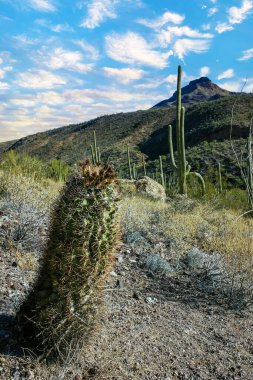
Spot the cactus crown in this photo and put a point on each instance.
(97, 176)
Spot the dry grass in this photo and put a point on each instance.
(187, 223)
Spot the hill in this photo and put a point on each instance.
(207, 135)
(198, 90)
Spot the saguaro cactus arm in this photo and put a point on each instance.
(201, 181)
(129, 164)
(161, 171)
(171, 150)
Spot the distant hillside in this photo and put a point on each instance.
(198, 90)
(207, 135)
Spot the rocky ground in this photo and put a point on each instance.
(158, 322)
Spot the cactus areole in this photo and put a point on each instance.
(59, 314)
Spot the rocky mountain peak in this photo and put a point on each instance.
(198, 90)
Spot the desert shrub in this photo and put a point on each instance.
(24, 164)
(58, 170)
(24, 210)
(158, 265)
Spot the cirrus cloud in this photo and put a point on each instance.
(39, 79)
(134, 49)
(125, 75)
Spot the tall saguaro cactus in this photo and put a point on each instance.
(220, 178)
(250, 170)
(130, 170)
(58, 316)
(182, 168)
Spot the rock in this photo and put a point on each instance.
(151, 188)
(151, 300)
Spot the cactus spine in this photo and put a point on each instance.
(182, 168)
(59, 314)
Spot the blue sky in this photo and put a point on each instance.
(67, 61)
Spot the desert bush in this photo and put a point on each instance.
(158, 265)
(24, 210)
(24, 164)
(58, 170)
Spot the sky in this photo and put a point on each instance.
(67, 61)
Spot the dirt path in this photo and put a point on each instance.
(153, 327)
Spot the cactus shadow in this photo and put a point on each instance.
(8, 336)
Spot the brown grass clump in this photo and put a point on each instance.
(58, 316)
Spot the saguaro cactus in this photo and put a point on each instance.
(250, 171)
(182, 168)
(59, 314)
(129, 164)
(161, 171)
(95, 150)
(144, 165)
(220, 178)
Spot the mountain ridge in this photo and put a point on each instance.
(198, 90)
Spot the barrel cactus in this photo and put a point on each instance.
(59, 314)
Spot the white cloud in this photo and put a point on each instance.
(235, 86)
(226, 74)
(89, 49)
(4, 70)
(171, 79)
(166, 36)
(60, 58)
(125, 75)
(41, 5)
(167, 17)
(185, 45)
(134, 49)
(212, 11)
(4, 86)
(204, 71)
(39, 79)
(62, 28)
(223, 27)
(23, 40)
(238, 14)
(98, 11)
(206, 27)
(246, 54)
(149, 84)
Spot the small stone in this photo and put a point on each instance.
(113, 274)
(120, 259)
(151, 300)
